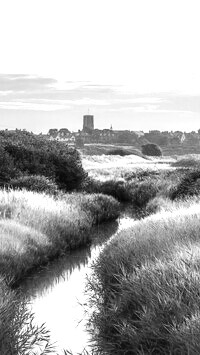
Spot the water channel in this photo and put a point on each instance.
(56, 293)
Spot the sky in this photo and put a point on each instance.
(134, 64)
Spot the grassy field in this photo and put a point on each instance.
(106, 167)
(99, 149)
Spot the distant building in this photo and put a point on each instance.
(88, 122)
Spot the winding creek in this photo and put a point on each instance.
(56, 293)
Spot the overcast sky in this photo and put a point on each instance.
(134, 64)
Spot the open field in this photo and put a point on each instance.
(104, 149)
(104, 167)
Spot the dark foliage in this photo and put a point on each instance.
(144, 192)
(188, 186)
(120, 190)
(119, 151)
(29, 154)
(151, 150)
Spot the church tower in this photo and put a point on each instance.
(88, 122)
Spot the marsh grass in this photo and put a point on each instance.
(145, 286)
(37, 227)
(18, 334)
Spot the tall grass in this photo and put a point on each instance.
(37, 227)
(18, 334)
(145, 286)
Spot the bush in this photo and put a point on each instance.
(36, 183)
(151, 150)
(8, 169)
(120, 151)
(188, 186)
(35, 155)
(102, 208)
(144, 192)
(118, 189)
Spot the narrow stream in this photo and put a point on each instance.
(56, 293)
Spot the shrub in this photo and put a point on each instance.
(119, 151)
(102, 208)
(36, 183)
(151, 149)
(35, 155)
(144, 192)
(118, 189)
(188, 186)
(8, 169)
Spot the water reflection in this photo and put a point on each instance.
(57, 292)
(61, 269)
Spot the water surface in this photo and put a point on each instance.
(57, 295)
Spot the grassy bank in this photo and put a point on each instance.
(18, 334)
(35, 228)
(145, 286)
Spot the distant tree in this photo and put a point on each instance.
(151, 149)
(8, 169)
(125, 137)
(157, 137)
(79, 142)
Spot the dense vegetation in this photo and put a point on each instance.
(39, 221)
(151, 149)
(145, 284)
(119, 151)
(23, 153)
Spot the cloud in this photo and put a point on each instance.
(22, 82)
(33, 106)
(29, 92)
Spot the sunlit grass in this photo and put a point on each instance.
(105, 167)
(37, 227)
(145, 286)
